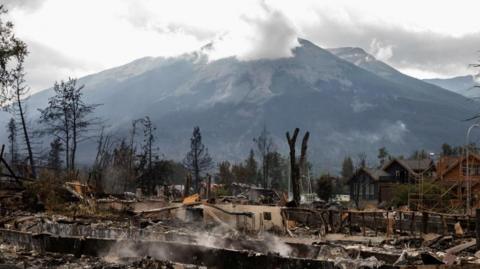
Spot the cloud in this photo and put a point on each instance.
(142, 17)
(26, 5)
(411, 51)
(268, 29)
(262, 32)
(45, 65)
(119, 31)
(380, 51)
(269, 35)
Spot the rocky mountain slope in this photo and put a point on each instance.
(348, 100)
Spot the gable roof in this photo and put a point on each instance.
(412, 166)
(456, 162)
(418, 165)
(374, 173)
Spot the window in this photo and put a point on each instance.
(473, 169)
(267, 215)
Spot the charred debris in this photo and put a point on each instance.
(48, 223)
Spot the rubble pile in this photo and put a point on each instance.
(228, 232)
(14, 257)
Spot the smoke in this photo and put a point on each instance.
(390, 132)
(276, 245)
(219, 236)
(214, 239)
(381, 51)
(269, 35)
(395, 132)
(125, 249)
(121, 249)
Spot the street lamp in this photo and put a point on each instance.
(469, 185)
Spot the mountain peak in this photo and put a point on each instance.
(305, 42)
(464, 85)
(353, 54)
(349, 50)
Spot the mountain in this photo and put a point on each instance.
(464, 85)
(366, 61)
(349, 106)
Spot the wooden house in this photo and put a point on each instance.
(366, 185)
(370, 185)
(452, 173)
(408, 171)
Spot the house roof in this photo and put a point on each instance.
(452, 163)
(412, 166)
(418, 165)
(372, 172)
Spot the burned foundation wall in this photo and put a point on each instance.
(173, 251)
(263, 218)
(135, 206)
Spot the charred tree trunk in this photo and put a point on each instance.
(74, 145)
(25, 134)
(294, 174)
(67, 144)
(188, 183)
(2, 160)
(297, 167)
(303, 155)
(196, 171)
(209, 183)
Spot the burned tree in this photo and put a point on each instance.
(20, 92)
(347, 172)
(278, 171)
(226, 172)
(296, 168)
(197, 159)
(251, 168)
(187, 185)
(12, 140)
(120, 166)
(324, 187)
(54, 160)
(149, 167)
(265, 146)
(103, 159)
(148, 140)
(67, 117)
(132, 168)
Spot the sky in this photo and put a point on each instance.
(73, 38)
